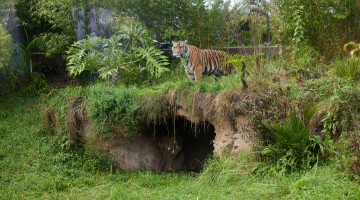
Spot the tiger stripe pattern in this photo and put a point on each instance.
(198, 62)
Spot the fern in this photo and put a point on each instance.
(156, 62)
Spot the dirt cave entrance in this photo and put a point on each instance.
(181, 144)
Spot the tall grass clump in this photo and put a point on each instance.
(110, 105)
(349, 68)
(155, 103)
(58, 103)
(226, 169)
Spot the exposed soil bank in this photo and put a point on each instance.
(168, 136)
(179, 144)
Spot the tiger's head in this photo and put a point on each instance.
(180, 48)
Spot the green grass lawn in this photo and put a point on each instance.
(36, 165)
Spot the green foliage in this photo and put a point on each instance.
(353, 48)
(325, 87)
(13, 61)
(59, 104)
(5, 48)
(323, 25)
(36, 85)
(203, 23)
(135, 35)
(108, 56)
(156, 62)
(295, 147)
(349, 68)
(299, 30)
(337, 115)
(109, 105)
(82, 56)
(44, 169)
(56, 24)
(237, 60)
(342, 110)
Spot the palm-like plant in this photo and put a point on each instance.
(295, 148)
(155, 60)
(83, 56)
(135, 36)
(122, 51)
(292, 133)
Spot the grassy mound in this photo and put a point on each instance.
(271, 94)
(36, 165)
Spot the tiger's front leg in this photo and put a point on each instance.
(197, 73)
(190, 75)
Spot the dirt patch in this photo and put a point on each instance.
(49, 119)
(76, 118)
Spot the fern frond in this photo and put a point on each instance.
(82, 56)
(37, 44)
(156, 62)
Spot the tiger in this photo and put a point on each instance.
(198, 62)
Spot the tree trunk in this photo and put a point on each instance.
(267, 28)
(253, 37)
(115, 76)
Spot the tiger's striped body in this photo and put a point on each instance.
(198, 62)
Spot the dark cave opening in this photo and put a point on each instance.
(182, 145)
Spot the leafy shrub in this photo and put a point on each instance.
(155, 60)
(123, 51)
(295, 148)
(348, 152)
(338, 101)
(325, 87)
(36, 85)
(342, 111)
(109, 105)
(81, 57)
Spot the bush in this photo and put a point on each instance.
(295, 148)
(122, 52)
(109, 105)
(36, 85)
(338, 101)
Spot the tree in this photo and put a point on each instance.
(326, 24)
